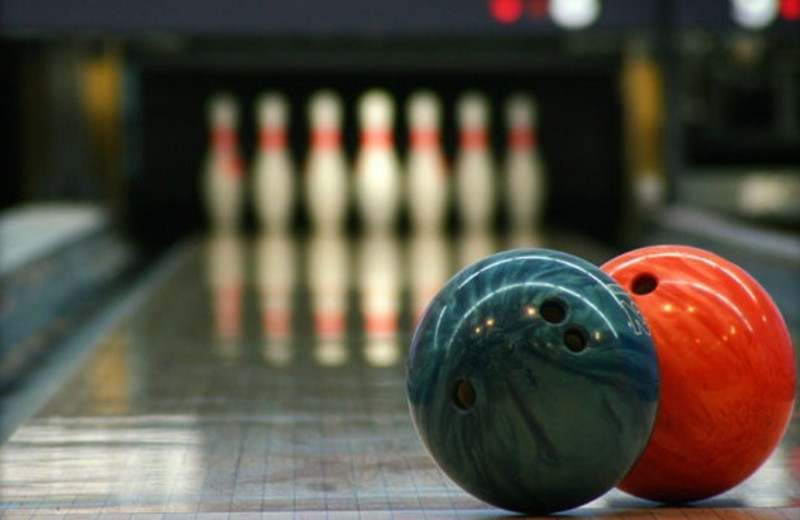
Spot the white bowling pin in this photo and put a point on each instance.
(273, 167)
(379, 285)
(428, 178)
(523, 170)
(328, 283)
(223, 170)
(377, 169)
(275, 276)
(474, 165)
(326, 169)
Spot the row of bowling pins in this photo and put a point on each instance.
(379, 183)
(380, 268)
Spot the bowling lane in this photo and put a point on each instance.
(264, 377)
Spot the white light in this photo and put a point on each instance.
(574, 14)
(754, 14)
(762, 194)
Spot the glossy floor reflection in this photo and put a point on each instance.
(265, 377)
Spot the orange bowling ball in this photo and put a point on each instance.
(728, 373)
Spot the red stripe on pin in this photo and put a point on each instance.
(424, 139)
(473, 139)
(272, 139)
(223, 138)
(325, 139)
(522, 138)
(376, 139)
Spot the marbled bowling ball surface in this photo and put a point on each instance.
(728, 373)
(533, 381)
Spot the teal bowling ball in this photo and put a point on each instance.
(533, 381)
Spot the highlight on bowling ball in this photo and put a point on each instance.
(533, 381)
(728, 373)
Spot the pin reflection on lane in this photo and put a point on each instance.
(380, 286)
(328, 283)
(474, 246)
(275, 277)
(225, 276)
(429, 266)
(525, 238)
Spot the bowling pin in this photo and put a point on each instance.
(225, 275)
(474, 165)
(222, 183)
(273, 169)
(377, 169)
(379, 284)
(328, 278)
(428, 179)
(523, 169)
(326, 169)
(275, 276)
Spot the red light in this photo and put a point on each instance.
(538, 9)
(790, 10)
(506, 11)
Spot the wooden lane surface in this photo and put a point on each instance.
(198, 406)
